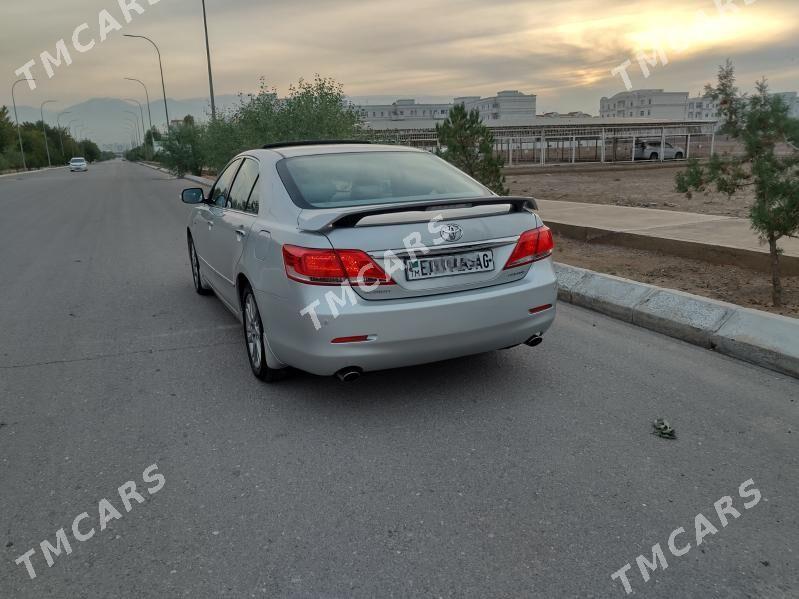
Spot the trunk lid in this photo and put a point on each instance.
(431, 247)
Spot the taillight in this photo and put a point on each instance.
(332, 267)
(535, 244)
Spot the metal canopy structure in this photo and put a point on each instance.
(572, 140)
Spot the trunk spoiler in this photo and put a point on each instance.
(328, 218)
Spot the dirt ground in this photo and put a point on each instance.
(727, 283)
(637, 186)
(654, 188)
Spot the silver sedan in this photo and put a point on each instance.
(341, 258)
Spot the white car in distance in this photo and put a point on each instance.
(78, 164)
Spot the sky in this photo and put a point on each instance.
(562, 51)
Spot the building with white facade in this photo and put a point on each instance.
(705, 108)
(647, 103)
(403, 110)
(506, 107)
(702, 108)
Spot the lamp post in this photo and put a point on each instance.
(161, 67)
(44, 131)
(208, 56)
(146, 95)
(134, 133)
(69, 126)
(141, 112)
(136, 120)
(58, 126)
(19, 134)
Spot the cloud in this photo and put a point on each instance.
(563, 51)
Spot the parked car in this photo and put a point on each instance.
(341, 258)
(78, 164)
(651, 150)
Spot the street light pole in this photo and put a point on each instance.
(141, 112)
(136, 120)
(161, 67)
(44, 132)
(134, 133)
(146, 95)
(58, 126)
(208, 56)
(71, 130)
(19, 134)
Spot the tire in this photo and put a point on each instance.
(254, 339)
(653, 156)
(194, 260)
(678, 156)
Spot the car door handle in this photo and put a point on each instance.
(240, 233)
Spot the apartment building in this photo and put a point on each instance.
(509, 105)
(647, 103)
(702, 108)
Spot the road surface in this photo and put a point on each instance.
(521, 473)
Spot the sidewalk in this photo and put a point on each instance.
(715, 239)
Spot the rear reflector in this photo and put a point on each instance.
(332, 267)
(353, 339)
(540, 308)
(533, 245)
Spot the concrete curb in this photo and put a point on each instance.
(192, 178)
(32, 171)
(768, 340)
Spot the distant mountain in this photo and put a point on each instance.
(105, 117)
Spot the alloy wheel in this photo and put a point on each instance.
(252, 324)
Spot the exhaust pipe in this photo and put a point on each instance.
(349, 374)
(534, 340)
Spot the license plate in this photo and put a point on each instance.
(444, 266)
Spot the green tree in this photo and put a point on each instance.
(8, 136)
(761, 123)
(182, 149)
(469, 144)
(311, 110)
(89, 150)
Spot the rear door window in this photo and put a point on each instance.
(220, 194)
(242, 186)
(255, 199)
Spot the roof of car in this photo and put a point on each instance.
(309, 149)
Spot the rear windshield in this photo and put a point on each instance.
(78, 160)
(360, 178)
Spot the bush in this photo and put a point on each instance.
(690, 178)
(312, 110)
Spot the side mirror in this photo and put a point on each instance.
(193, 195)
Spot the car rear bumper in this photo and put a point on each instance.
(406, 332)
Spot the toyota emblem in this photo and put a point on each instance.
(451, 233)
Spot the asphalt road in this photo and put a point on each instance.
(522, 473)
